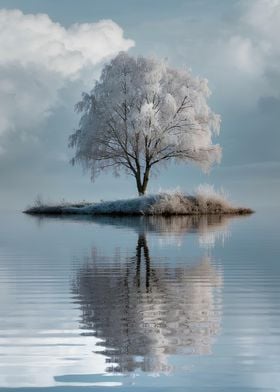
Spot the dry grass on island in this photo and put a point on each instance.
(204, 202)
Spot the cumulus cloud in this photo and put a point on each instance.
(39, 57)
(256, 48)
(244, 55)
(264, 15)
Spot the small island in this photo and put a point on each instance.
(139, 117)
(165, 204)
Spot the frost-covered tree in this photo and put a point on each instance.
(141, 115)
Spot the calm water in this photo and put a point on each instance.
(144, 304)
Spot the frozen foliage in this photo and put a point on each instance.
(206, 192)
(143, 114)
(175, 203)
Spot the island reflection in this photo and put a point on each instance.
(145, 309)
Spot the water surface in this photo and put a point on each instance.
(168, 304)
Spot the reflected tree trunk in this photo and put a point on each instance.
(142, 245)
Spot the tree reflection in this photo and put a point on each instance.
(145, 309)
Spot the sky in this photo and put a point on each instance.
(51, 51)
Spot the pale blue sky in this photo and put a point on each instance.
(232, 43)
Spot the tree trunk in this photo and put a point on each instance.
(139, 184)
(141, 191)
(145, 180)
(142, 185)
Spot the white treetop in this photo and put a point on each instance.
(141, 114)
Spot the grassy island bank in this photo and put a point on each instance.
(161, 204)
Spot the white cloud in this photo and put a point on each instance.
(40, 57)
(256, 49)
(241, 54)
(244, 55)
(36, 39)
(264, 16)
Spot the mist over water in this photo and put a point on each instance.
(135, 302)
